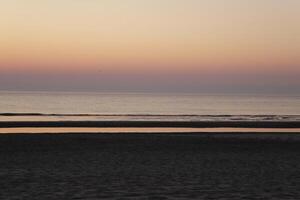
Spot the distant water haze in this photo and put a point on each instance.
(174, 81)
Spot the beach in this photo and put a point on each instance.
(148, 146)
(150, 166)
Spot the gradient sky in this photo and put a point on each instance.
(119, 44)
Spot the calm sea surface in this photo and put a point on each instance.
(16, 106)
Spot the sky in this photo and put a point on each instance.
(139, 45)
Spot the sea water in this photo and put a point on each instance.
(16, 106)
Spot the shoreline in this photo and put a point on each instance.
(153, 131)
(150, 124)
(216, 135)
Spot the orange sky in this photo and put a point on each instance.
(203, 36)
(234, 42)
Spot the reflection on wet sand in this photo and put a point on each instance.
(149, 130)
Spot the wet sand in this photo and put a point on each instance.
(150, 166)
(148, 124)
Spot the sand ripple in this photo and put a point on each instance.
(148, 167)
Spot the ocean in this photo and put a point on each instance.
(143, 106)
(146, 107)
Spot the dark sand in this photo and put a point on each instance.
(150, 166)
